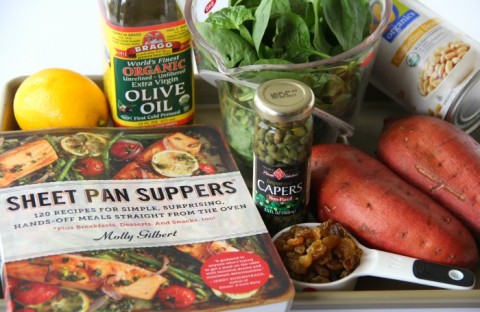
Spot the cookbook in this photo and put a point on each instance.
(120, 219)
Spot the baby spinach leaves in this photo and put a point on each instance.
(348, 20)
(232, 47)
(297, 31)
(261, 22)
(272, 32)
(234, 18)
(292, 40)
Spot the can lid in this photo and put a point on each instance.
(465, 109)
(284, 100)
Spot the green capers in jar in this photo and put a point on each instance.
(283, 131)
(283, 144)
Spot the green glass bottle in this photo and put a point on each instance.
(149, 76)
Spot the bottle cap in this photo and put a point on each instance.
(284, 100)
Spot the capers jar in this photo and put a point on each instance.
(282, 143)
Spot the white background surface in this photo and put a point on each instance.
(36, 34)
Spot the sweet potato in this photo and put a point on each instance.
(384, 211)
(439, 159)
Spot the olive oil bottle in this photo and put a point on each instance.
(149, 78)
(282, 144)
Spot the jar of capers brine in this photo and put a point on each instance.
(283, 131)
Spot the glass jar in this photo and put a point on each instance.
(283, 132)
(149, 77)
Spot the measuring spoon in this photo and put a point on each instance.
(389, 265)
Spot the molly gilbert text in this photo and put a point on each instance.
(112, 235)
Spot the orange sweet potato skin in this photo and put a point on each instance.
(383, 211)
(438, 158)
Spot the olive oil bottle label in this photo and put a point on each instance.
(149, 76)
(280, 193)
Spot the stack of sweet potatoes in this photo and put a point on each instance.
(420, 195)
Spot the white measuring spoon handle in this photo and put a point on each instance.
(398, 267)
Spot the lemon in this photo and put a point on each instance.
(84, 143)
(173, 163)
(68, 299)
(57, 97)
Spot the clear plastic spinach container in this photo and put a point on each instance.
(338, 81)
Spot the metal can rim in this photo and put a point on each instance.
(464, 111)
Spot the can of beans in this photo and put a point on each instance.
(428, 66)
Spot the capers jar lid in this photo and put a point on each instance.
(284, 100)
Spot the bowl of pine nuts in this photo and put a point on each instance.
(447, 67)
